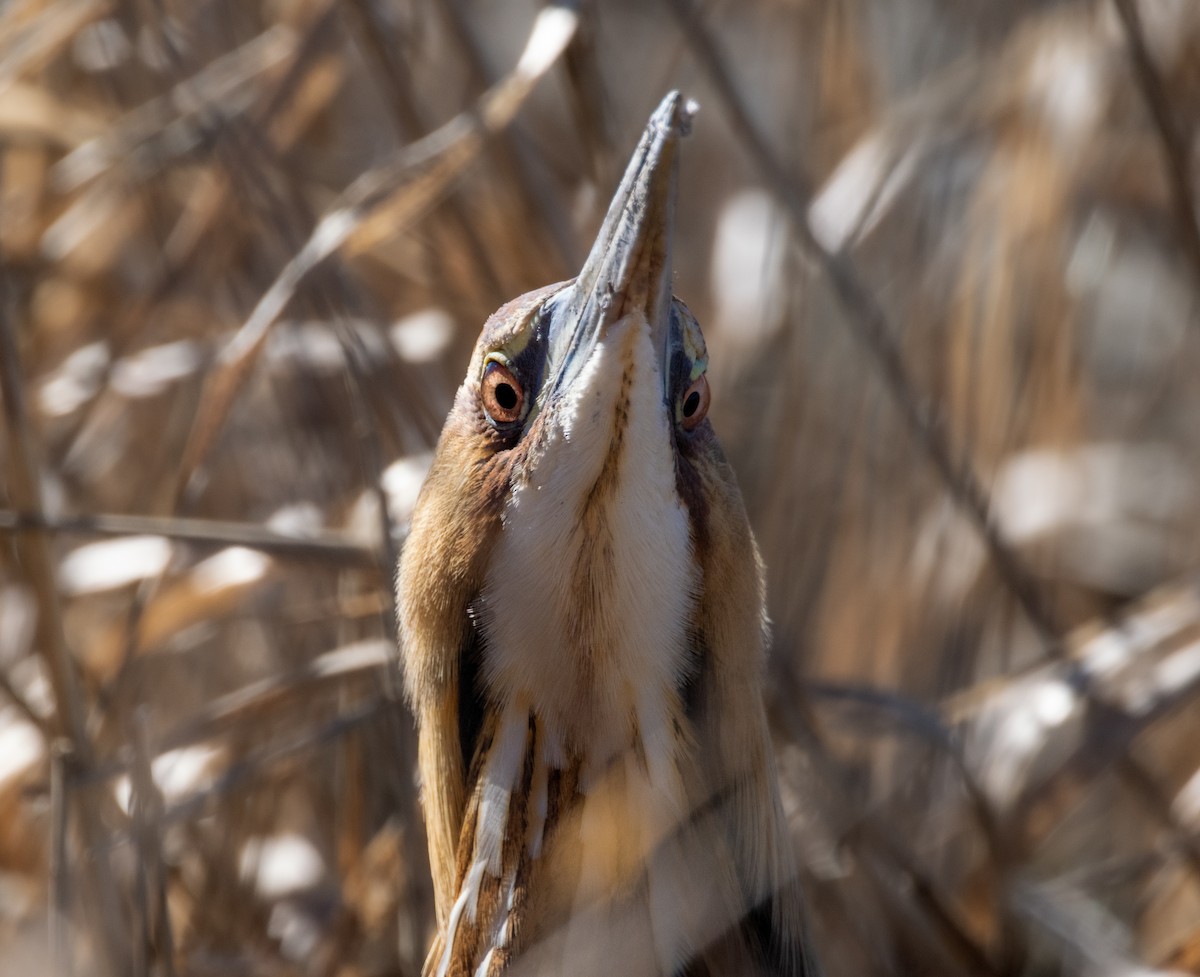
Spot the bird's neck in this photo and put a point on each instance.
(584, 614)
(591, 585)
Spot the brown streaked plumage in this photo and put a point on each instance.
(581, 612)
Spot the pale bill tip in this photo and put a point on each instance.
(674, 114)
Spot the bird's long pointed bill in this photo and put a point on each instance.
(629, 267)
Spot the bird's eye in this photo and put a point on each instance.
(503, 395)
(694, 403)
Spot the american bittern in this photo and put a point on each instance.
(581, 607)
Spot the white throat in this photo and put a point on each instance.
(592, 580)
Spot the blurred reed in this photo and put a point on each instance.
(948, 262)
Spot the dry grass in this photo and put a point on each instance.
(948, 263)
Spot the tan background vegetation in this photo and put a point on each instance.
(947, 260)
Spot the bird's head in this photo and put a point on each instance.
(576, 477)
